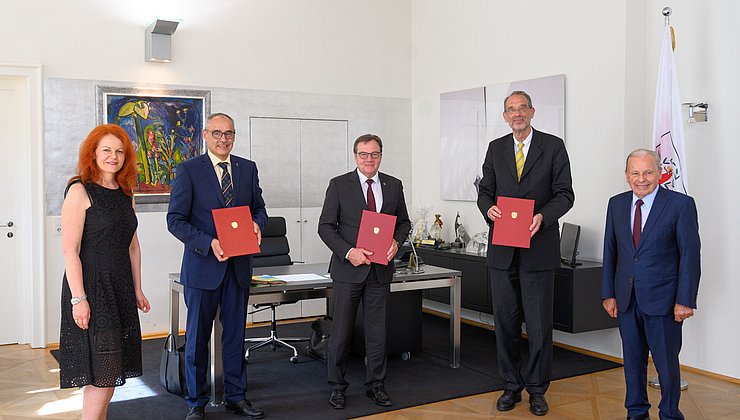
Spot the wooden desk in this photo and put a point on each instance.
(432, 277)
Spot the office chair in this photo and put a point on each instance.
(274, 251)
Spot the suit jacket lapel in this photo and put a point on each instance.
(384, 189)
(354, 180)
(623, 215)
(535, 150)
(661, 199)
(235, 176)
(212, 179)
(506, 149)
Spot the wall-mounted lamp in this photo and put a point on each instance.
(697, 111)
(158, 40)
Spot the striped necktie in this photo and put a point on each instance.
(519, 160)
(226, 186)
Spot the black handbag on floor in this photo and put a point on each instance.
(172, 367)
(320, 329)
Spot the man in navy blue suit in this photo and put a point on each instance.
(215, 180)
(650, 280)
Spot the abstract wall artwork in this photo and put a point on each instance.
(470, 119)
(165, 127)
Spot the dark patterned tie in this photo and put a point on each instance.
(637, 226)
(226, 186)
(370, 196)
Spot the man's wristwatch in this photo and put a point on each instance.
(76, 300)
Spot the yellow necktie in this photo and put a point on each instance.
(519, 161)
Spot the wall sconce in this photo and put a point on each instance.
(158, 40)
(697, 111)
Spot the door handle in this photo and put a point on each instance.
(9, 224)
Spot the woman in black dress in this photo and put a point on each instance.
(100, 335)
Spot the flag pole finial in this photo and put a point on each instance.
(667, 13)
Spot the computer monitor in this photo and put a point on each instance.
(569, 243)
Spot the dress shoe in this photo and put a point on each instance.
(507, 400)
(246, 409)
(336, 399)
(642, 417)
(379, 396)
(196, 413)
(538, 405)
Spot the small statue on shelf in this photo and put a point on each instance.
(436, 231)
(478, 243)
(420, 231)
(461, 233)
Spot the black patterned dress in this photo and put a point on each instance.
(110, 350)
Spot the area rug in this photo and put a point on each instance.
(300, 391)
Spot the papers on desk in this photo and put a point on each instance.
(264, 281)
(267, 280)
(290, 278)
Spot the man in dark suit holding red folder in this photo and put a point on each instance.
(354, 277)
(216, 179)
(533, 165)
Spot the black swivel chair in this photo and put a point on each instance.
(274, 251)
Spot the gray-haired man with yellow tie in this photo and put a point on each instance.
(532, 165)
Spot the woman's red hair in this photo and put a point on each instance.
(89, 172)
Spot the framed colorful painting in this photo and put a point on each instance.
(165, 127)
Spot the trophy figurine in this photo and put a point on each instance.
(436, 231)
(420, 232)
(461, 233)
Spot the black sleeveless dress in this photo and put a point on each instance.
(110, 350)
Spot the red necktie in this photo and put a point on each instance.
(637, 225)
(370, 196)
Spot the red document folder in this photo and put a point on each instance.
(513, 228)
(235, 231)
(376, 235)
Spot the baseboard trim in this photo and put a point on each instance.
(591, 353)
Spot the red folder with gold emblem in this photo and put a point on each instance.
(512, 229)
(235, 231)
(376, 235)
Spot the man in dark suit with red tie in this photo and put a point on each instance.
(215, 180)
(651, 274)
(532, 165)
(354, 277)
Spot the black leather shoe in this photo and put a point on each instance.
(337, 399)
(643, 417)
(246, 409)
(538, 405)
(379, 396)
(196, 413)
(508, 400)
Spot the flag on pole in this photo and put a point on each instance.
(668, 140)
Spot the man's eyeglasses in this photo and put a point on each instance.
(365, 155)
(522, 109)
(216, 134)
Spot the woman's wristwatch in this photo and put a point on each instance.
(76, 300)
